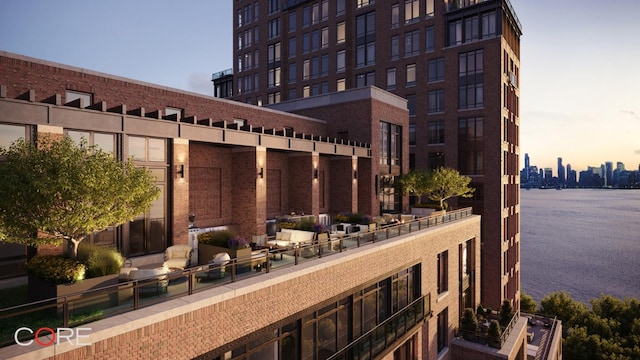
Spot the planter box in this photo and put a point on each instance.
(421, 212)
(40, 290)
(207, 252)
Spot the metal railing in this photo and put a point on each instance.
(482, 338)
(381, 337)
(84, 307)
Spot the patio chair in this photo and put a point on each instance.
(178, 257)
(216, 267)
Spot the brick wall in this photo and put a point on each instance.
(21, 74)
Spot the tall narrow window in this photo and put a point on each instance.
(436, 101)
(411, 75)
(470, 80)
(391, 79)
(429, 34)
(340, 61)
(340, 33)
(292, 21)
(443, 272)
(395, 47)
(365, 39)
(395, 16)
(429, 8)
(455, 33)
(443, 329)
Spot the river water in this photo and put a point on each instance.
(583, 241)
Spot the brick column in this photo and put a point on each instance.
(344, 184)
(249, 191)
(368, 203)
(180, 194)
(304, 189)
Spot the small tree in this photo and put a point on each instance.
(446, 183)
(57, 191)
(506, 312)
(415, 183)
(527, 304)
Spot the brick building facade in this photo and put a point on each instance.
(455, 62)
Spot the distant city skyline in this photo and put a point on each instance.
(553, 164)
(578, 91)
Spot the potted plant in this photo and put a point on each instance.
(52, 276)
(493, 334)
(506, 312)
(469, 325)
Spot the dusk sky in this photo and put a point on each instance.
(579, 61)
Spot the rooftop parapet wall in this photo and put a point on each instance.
(193, 325)
(23, 74)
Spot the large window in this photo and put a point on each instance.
(366, 79)
(436, 101)
(412, 43)
(436, 70)
(470, 146)
(11, 133)
(435, 132)
(147, 232)
(362, 3)
(470, 80)
(455, 33)
(105, 142)
(274, 28)
(411, 11)
(390, 143)
(365, 39)
(274, 6)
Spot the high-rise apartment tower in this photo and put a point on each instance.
(456, 62)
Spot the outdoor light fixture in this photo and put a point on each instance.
(315, 173)
(261, 173)
(355, 174)
(180, 170)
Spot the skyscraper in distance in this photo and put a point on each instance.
(455, 62)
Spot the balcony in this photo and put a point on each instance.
(376, 340)
(221, 74)
(76, 310)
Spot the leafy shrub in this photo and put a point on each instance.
(56, 269)
(286, 225)
(366, 220)
(100, 260)
(237, 242)
(319, 228)
(494, 331)
(341, 218)
(216, 238)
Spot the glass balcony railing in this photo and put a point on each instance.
(221, 74)
(381, 337)
(81, 308)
